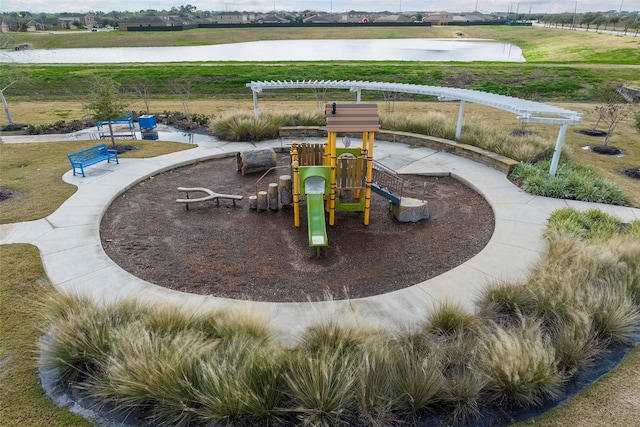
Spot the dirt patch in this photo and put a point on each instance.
(592, 132)
(606, 150)
(6, 194)
(631, 172)
(234, 252)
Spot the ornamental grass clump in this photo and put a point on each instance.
(303, 119)
(246, 128)
(432, 124)
(526, 148)
(82, 335)
(519, 363)
(321, 386)
(148, 374)
(237, 381)
(448, 319)
(504, 303)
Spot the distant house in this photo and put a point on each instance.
(354, 17)
(8, 25)
(234, 18)
(34, 25)
(438, 18)
(322, 18)
(147, 21)
(393, 18)
(272, 18)
(67, 22)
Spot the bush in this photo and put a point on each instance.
(572, 181)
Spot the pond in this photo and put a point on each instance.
(463, 50)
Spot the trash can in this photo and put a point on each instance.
(147, 121)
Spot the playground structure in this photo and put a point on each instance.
(337, 178)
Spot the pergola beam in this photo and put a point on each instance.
(527, 111)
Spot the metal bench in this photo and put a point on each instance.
(91, 156)
(128, 120)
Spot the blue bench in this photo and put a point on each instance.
(118, 121)
(91, 156)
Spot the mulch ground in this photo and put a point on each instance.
(235, 252)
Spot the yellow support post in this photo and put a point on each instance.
(367, 195)
(332, 163)
(296, 186)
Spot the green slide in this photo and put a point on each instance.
(316, 221)
(314, 184)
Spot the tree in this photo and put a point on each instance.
(10, 74)
(588, 19)
(143, 88)
(181, 88)
(611, 113)
(105, 103)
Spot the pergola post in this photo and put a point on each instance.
(255, 104)
(460, 120)
(558, 149)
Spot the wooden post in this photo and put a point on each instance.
(262, 201)
(272, 196)
(284, 188)
(253, 202)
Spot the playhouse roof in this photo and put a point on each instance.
(352, 117)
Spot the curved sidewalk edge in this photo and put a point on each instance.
(73, 258)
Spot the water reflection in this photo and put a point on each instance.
(463, 50)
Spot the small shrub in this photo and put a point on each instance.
(592, 225)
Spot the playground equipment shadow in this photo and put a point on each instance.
(74, 260)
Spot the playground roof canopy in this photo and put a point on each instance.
(527, 111)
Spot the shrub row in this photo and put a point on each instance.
(572, 181)
(526, 340)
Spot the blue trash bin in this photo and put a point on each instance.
(147, 121)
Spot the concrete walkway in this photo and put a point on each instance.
(73, 258)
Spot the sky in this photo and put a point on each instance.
(485, 6)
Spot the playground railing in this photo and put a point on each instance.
(387, 178)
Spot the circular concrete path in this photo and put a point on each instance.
(73, 258)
